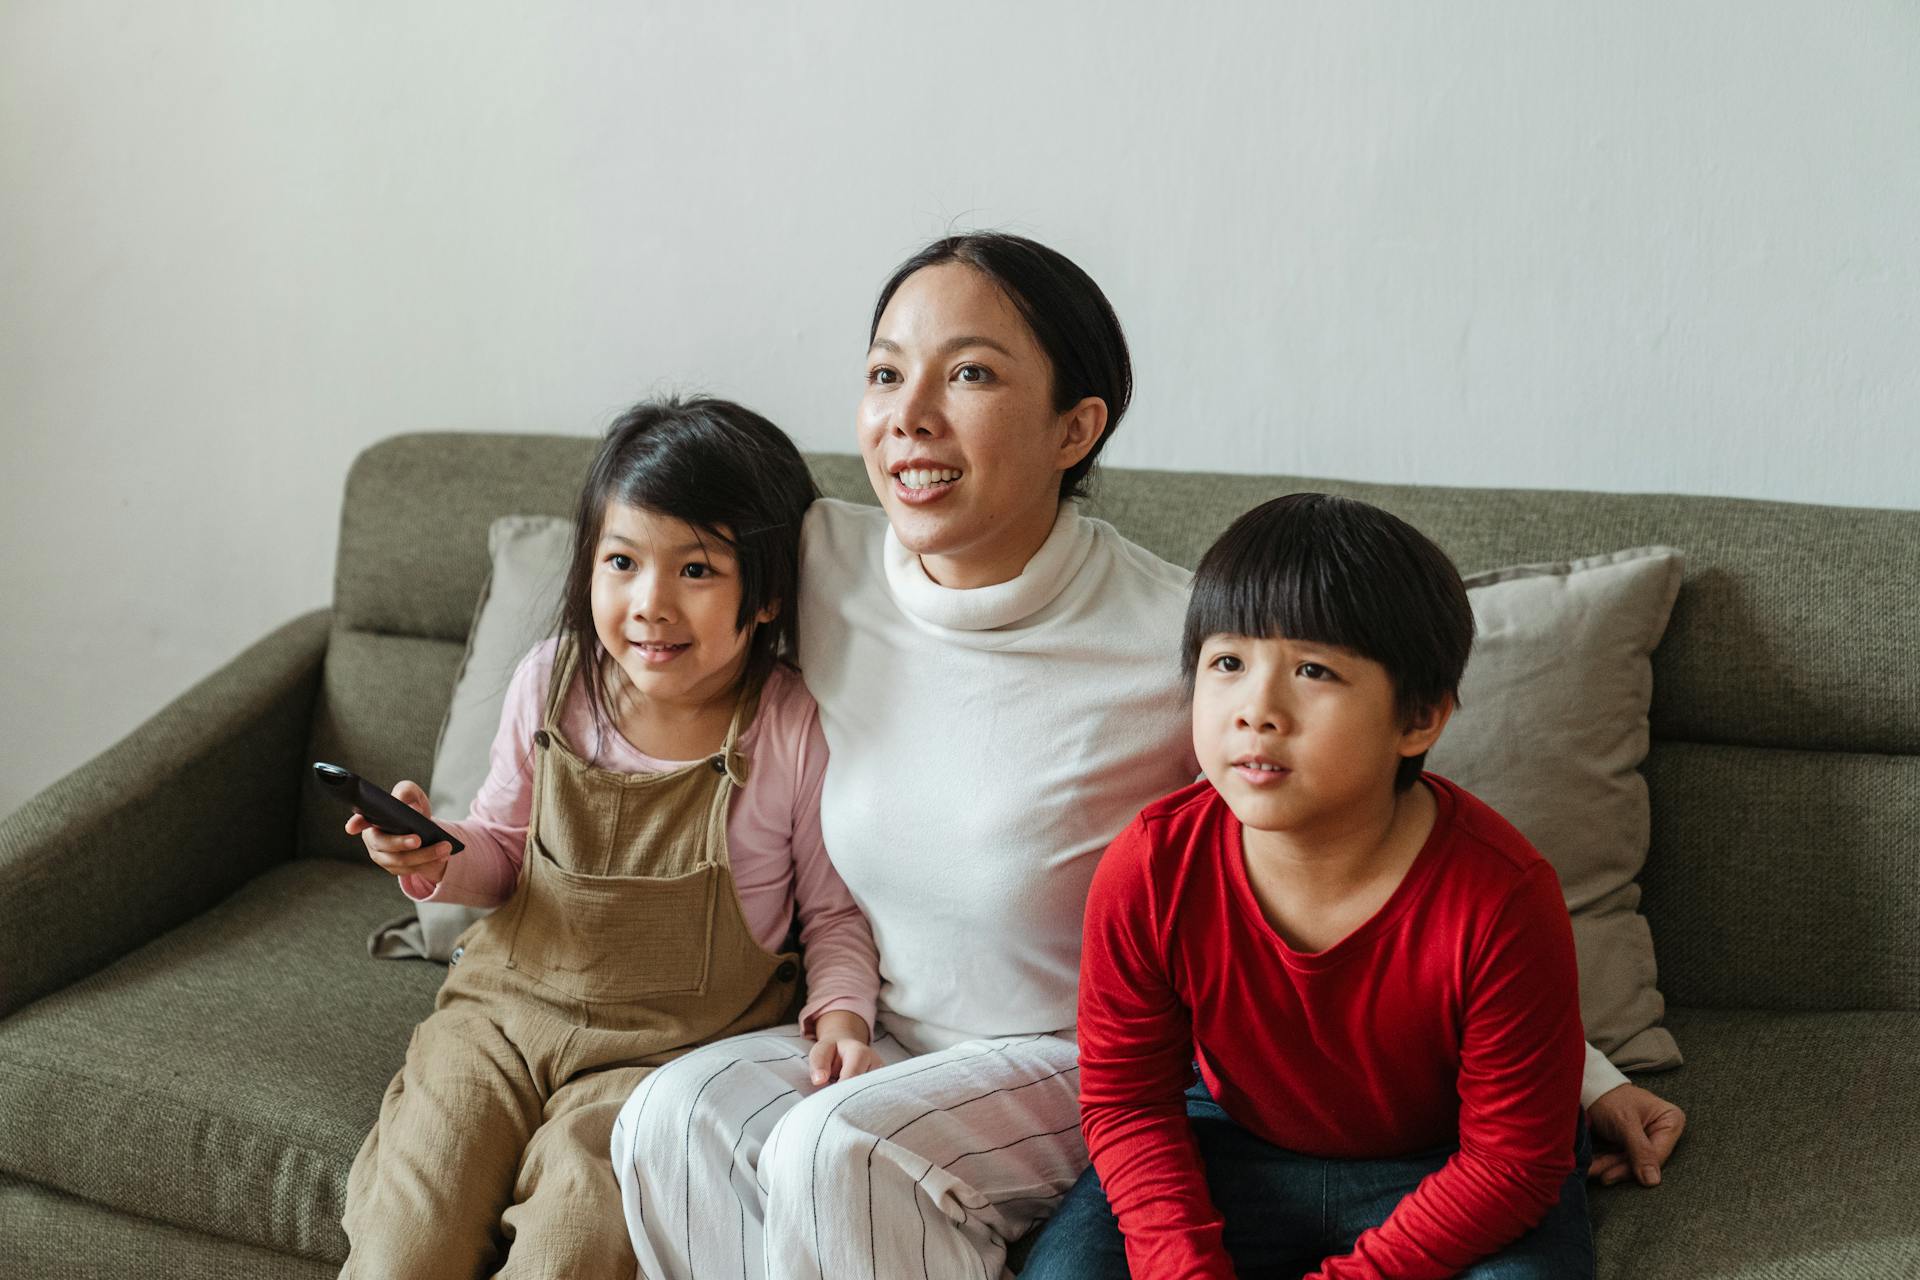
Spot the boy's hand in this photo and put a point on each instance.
(840, 1051)
(400, 853)
(1642, 1129)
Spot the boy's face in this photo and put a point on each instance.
(1300, 737)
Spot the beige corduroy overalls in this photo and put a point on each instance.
(622, 947)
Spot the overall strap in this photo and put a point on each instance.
(729, 759)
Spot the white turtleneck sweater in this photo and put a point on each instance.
(984, 747)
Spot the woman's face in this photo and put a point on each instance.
(957, 426)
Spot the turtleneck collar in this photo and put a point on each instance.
(1004, 603)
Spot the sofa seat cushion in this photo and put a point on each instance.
(1798, 1156)
(221, 1078)
(54, 1236)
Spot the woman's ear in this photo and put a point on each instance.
(1423, 729)
(1085, 423)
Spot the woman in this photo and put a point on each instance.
(998, 685)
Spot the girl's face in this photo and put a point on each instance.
(958, 430)
(665, 599)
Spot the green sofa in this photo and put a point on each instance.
(193, 1038)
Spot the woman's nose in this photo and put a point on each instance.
(917, 412)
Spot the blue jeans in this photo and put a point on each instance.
(1286, 1213)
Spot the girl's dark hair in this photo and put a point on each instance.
(1070, 318)
(1330, 570)
(731, 475)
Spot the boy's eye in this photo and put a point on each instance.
(1225, 663)
(882, 376)
(1314, 671)
(622, 563)
(697, 570)
(972, 373)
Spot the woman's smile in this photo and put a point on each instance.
(920, 483)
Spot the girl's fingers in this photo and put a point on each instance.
(856, 1059)
(820, 1061)
(408, 862)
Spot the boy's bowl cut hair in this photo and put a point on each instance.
(1330, 570)
(714, 465)
(1070, 318)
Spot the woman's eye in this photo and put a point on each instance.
(1225, 663)
(623, 563)
(883, 376)
(972, 373)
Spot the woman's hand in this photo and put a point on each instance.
(840, 1050)
(399, 853)
(1642, 1129)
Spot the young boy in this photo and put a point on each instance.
(1373, 971)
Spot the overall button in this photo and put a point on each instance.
(719, 763)
(787, 971)
(457, 953)
(541, 738)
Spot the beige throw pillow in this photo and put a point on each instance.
(1551, 731)
(516, 611)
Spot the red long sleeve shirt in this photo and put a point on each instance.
(1451, 1016)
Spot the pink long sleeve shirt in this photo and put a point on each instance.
(779, 860)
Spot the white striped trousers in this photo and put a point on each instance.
(732, 1166)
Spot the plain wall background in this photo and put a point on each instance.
(1633, 246)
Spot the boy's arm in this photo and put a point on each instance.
(1520, 1069)
(1136, 1060)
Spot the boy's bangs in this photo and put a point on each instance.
(1268, 587)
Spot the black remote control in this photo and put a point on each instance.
(380, 807)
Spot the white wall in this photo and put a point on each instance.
(1636, 246)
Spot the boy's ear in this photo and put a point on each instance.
(769, 613)
(1423, 730)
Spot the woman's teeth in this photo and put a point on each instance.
(916, 478)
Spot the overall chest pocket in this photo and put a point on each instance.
(615, 938)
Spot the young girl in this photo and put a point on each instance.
(651, 823)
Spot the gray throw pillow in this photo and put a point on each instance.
(1551, 731)
(516, 611)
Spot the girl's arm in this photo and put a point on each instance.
(843, 965)
(495, 830)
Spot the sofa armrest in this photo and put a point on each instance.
(162, 825)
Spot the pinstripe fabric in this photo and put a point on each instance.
(733, 1167)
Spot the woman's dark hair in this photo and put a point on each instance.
(731, 475)
(1070, 318)
(1330, 570)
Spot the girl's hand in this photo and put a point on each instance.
(400, 853)
(840, 1050)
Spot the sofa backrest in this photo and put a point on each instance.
(1784, 870)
